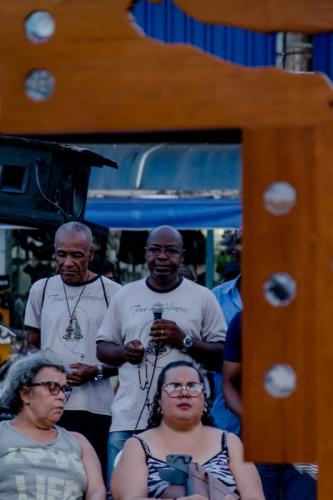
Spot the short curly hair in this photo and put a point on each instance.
(155, 415)
(22, 373)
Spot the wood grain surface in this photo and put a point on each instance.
(307, 16)
(109, 77)
(277, 429)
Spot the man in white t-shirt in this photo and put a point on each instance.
(150, 323)
(63, 315)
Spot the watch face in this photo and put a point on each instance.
(188, 342)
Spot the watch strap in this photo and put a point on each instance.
(100, 373)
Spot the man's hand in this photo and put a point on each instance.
(134, 352)
(164, 330)
(33, 339)
(81, 373)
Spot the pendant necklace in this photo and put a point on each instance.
(73, 330)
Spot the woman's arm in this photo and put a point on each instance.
(130, 476)
(95, 489)
(245, 473)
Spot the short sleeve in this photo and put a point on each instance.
(33, 308)
(213, 323)
(110, 328)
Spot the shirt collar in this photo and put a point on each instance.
(230, 285)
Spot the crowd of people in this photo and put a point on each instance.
(72, 435)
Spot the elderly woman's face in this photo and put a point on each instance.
(182, 396)
(41, 404)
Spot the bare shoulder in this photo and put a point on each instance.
(135, 442)
(150, 436)
(140, 441)
(132, 451)
(235, 447)
(213, 432)
(150, 433)
(81, 439)
(214, 435)
(234, 440)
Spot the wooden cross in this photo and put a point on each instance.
(108, 77)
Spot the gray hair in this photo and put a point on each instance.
(22, 373)
(74, 227)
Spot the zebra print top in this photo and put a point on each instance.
(218, 465)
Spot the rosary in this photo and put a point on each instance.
(143, 386)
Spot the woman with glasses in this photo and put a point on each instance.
(39, 459)
(179, 424)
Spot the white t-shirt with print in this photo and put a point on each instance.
(79, 345)
(195, 310)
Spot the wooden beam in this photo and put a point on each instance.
(306, 16)
(113, 79)
(322, 335)
(277, 429)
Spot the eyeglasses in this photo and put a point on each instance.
(174, 389)
(169, 252)
(54, 388)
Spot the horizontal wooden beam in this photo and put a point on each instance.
(306, 16)
(108, 77)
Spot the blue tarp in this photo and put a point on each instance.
(143, 213)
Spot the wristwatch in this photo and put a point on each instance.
(100, 374)
(187, 343)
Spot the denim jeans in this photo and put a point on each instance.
(116, 442)
(284, 482)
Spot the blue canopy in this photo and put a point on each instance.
(181, 167)
(188, 186)
(183, 213)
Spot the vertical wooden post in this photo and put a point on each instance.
(280, 429)
(323, 335)
(300, 243)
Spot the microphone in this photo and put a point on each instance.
(157, 310)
